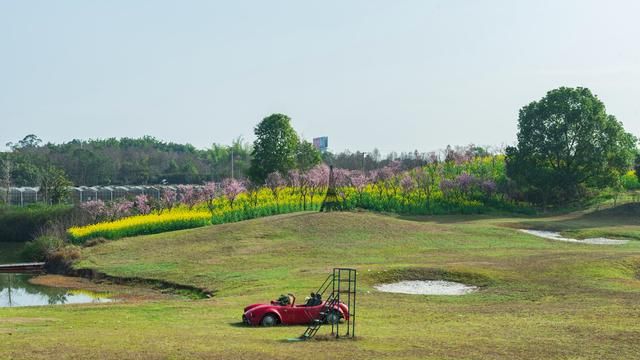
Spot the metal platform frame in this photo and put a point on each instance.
(342, 284)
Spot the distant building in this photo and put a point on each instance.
(321, 143)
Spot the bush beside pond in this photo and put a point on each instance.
(21, 224)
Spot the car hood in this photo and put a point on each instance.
(255, 306)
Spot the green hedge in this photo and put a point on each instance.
(21, 224)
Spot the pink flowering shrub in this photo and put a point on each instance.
(119, 209)
(232, 188)
(168, 199)
(210, 192)
(275, 182)
(141, 204)
(189, 196)
(96, 209)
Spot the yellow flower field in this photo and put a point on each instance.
(142, 224)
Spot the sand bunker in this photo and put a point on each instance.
(428, 287)
(552, 235)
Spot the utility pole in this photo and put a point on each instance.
(10, 302)
(6, 179)
(232, 163)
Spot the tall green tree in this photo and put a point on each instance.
(5, 176)
(636, 166)
(274, 149)
(30, 141)
(567, 143)
(222, 158)
(307, 156)
(54, 185)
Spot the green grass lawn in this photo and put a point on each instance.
(538, 298)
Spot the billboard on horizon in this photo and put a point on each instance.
(321, 143)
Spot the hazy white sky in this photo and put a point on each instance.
(396, 75)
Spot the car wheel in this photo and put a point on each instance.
(269, 320)
(332, 317)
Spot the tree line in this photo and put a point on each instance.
(568, 149)
(147, 160)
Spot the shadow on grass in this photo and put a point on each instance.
(240, 324)
(622, 215)
(456, 219)
(323, 337)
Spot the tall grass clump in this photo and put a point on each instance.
(41, 248)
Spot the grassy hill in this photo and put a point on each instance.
(538, 298)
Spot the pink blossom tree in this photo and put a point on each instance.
(94, 208)
(407, 184)
(459, 154)
(448, 187)
(426, 179)
(168, 199)
(210, 192)
(189, 195)
(275, 182)
(374, 178)
(141, 204)
(383, 180)
(295, 181)
(232, 188)
(342, 179)
(299, 182)
(489, 188)
(318, 179)
(304, 188)
(294, 178)
(466, 183)
(119, 209)
(359, 181)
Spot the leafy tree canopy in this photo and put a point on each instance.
(54, 185)
(567, 143)
(636, 166)
(307, 156)
(274, 149)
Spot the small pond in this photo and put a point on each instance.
(16, 290)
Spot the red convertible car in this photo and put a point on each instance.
(285, 311)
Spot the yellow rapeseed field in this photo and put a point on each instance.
(142, 224)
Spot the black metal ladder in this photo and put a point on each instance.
(317, 323)
(342, 284)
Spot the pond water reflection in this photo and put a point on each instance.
(16, 290)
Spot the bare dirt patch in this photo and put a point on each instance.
(552, 235)
(24, 320)
(426, 287)
(429, 274)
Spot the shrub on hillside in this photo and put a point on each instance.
(40, 248)
(60, 260)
